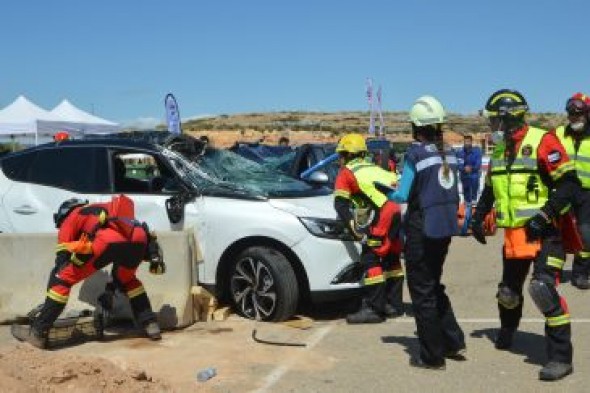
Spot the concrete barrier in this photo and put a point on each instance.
(27, 259)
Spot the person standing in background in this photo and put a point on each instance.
(469, 162)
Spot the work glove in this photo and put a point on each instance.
(156, 258)
(154, 255)
(477, 230)
(538, 226)
(358, 235)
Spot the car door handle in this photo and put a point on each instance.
(25, 209)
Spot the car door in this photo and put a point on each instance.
(161, 183)
(51, 176)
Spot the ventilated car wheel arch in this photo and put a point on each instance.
(274, 295)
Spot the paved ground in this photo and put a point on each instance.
(341, 358)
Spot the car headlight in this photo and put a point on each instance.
(327, 228)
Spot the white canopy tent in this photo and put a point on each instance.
(85, 122)
(30, 124)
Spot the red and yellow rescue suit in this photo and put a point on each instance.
(383, 275)
(90, 238)
(529, 174)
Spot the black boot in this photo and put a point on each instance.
(416, 361)
(29, 334)
(366, 314)
(553, 371)
(581, 282)
(504, 339)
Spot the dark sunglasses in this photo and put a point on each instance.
(575, 106)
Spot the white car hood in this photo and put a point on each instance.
(317, 206)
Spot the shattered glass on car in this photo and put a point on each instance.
(224, 173)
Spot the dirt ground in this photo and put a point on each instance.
(24, 368)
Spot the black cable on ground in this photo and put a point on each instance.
(280, 344)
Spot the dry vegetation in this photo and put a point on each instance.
(303, 127)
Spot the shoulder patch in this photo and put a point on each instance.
(554, 156)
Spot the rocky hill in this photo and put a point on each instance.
(329, 126)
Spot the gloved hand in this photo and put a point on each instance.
(155, 256)
(355, 232)
(477, 231)
(158, 268)
(537, 226)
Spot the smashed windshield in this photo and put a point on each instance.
(224, 173)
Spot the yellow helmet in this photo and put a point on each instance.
(352, 143)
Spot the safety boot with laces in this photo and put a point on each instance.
(29, 334)
(553, 371)
(152, 329)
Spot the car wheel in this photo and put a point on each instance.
(263, 285)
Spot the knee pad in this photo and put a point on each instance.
(544, 295)
(507, 297)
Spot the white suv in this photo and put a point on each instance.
(267, 240)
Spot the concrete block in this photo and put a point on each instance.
(27, 259)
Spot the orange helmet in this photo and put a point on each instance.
(61, 136)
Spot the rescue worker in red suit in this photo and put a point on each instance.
(532, 182)
(90, 237)
(376, 222)
(575, 137)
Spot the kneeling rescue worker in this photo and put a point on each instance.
(532, 182)
(90, 237)
(375, 221)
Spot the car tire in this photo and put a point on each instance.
(263, 285)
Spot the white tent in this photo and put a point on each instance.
(86, 123)
(31, 124)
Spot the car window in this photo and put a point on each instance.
(78, 169)
(15, 166)
(141, 173)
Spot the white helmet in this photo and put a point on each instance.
(427, 110)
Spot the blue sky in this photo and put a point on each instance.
(120, 58)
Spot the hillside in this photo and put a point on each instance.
(302, 127)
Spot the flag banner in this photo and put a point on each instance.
(370, 99)
(380, 112)
(172, 114)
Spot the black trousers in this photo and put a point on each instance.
(438, 330)
(514, 273)
(581, 264)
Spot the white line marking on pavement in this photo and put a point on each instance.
(496, 320)
(276, 374)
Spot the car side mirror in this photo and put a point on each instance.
(318, 177)
(175, 208)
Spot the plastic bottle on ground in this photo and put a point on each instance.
(206, 374)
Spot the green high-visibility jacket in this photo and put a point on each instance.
(518, 189)
(366, 174)
(581, 156)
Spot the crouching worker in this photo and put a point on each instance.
(374, 221)
(90, 237)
